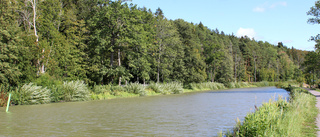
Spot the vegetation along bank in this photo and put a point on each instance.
(29, 94)
(294, 117)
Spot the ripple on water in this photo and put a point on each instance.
(191, 114)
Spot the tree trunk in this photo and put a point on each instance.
(235, 68)
(34, 6)
(119, 61)
(159, 60)
(111, 59)
(214, 74)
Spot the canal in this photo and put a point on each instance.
(189, 114)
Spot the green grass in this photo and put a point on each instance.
(107, 95)
(295, 118)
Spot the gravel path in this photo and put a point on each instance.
(317, 94)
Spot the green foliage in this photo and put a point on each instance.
(167, 88)
(173, 87)
(265, 84)
(30, 94)
(157, 87)
(281, 118)
(238, 85)
(45, 80)
(75, 91)
(207, 85)
(116, 42)
(9, 41)
(136, 88)
(104, 96)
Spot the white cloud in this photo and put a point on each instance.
(274, 5)
(266, 6)
(246, 32)
(259, 9)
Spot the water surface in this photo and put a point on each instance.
(190, 114)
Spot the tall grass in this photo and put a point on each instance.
(281, 118)
(30, 94)
(157, 87)
(75, 91)
(238, 85)
(167, 88)
(264, 84)
(136, 88)
(207, 86)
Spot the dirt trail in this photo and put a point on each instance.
(317, 94)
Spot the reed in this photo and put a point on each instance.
(207, 86)
(167, 88)
(75, 91)
(30, 94)
(136, 88)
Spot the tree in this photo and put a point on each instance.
(168, 48)
(314, 11)
(194, 62)
(312, 66)
(9, 39)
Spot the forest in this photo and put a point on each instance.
(113, 42)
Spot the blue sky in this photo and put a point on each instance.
(267, 20)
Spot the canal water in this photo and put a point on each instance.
(190, 114)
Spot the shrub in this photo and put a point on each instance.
(97, 89)
(156, 87)
(136, 88)
(173, 88)
(45, 80)
(31, 94)
(75, 91)
(168, 88)
(57, 94)
(112, 90)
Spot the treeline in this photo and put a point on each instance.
(312, 59)
(113, 42)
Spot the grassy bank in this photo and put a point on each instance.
(294, 118)
(46, 91)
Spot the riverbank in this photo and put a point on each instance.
(30, 94)
(295, 117)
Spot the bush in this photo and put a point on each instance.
(168, 88)
(173, 88)
(156, 87)
(98, 89)
(30, 94)
(136, 88)
(45, 80)
(75, 91)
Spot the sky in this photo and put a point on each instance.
(266, 20)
